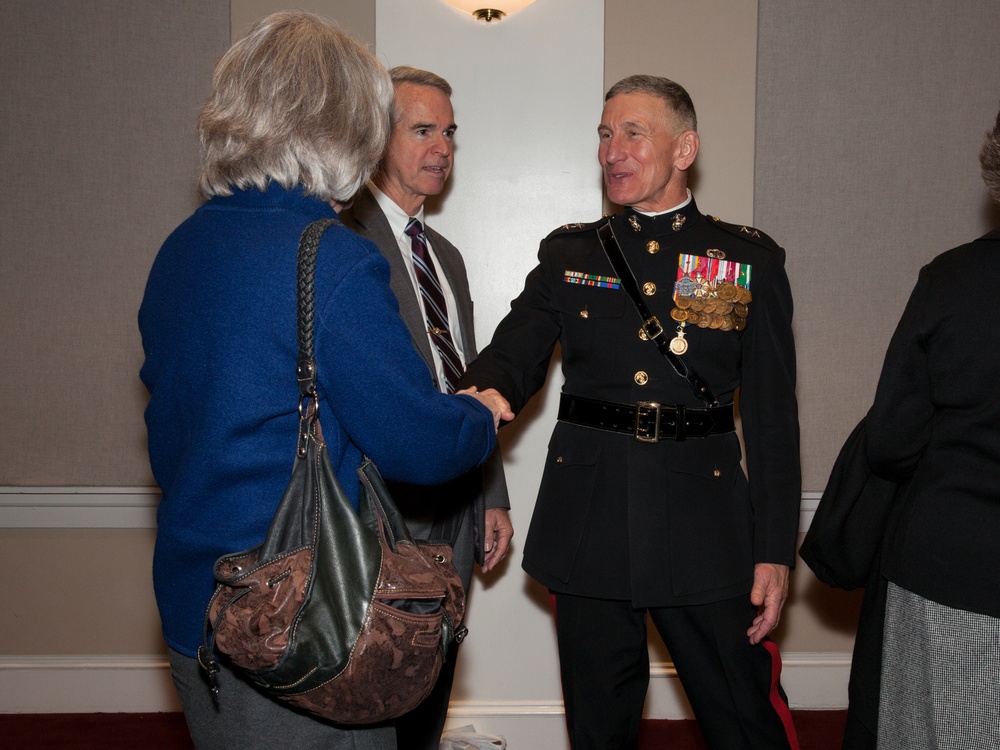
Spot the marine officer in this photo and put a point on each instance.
(643, 505)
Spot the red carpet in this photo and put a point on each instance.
(817, 730)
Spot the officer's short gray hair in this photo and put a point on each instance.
(989, 159)
(677, 99)
(296, 101)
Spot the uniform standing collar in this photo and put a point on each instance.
(674, 220)
(678, 207)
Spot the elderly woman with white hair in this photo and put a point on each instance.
(297, 121)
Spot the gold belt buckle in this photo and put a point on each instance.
(642, 435)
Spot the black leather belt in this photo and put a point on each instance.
(647, 421)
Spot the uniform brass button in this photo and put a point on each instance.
(716, 473)
(559, 459)
(584, 314)
(649, 288)
(641, 378)
(652, 247)
(642, 334)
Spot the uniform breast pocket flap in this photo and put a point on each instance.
(587, 303)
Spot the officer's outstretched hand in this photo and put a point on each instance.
(770, 589)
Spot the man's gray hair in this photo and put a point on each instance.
(677, 99)
(416, 76)
(296, 101)
(989, 159)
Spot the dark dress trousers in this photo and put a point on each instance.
(462, 500)
(668, 523)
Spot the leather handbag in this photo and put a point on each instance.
(338, 611)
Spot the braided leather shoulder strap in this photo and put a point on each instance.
(308, 250)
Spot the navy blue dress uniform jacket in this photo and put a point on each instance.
(670, 522)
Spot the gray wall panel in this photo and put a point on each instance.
(869, 121)
(99, 153)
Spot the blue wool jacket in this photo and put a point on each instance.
(218, 324)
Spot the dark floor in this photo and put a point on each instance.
(818, 730)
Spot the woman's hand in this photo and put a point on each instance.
(492, 400)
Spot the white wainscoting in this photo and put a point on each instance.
(78, 507)
(127, 683)
(141, 683)
(135, 508)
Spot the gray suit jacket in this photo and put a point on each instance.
(469, 495)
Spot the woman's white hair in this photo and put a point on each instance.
(296, 101)
(989, 159)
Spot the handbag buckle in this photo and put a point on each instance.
(647, 422)
(308, 414)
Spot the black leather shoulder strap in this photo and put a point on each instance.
(650, 324)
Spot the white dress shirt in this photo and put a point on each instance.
(398, 219)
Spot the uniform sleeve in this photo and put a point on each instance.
(517, 359)
(899, 421)
(769, 412)
(376, 383)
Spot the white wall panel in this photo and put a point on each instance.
(527, 99)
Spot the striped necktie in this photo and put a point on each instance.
(435, 308)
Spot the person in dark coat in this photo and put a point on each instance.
(936, 423)
(643, 505)
(416, 165)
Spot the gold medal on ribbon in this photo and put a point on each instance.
(679, 344)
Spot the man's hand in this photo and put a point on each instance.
(770, 589)
(492, 400)
(497, 536)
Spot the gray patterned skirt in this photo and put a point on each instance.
(940, 677)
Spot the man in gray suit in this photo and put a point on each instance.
(434, 300)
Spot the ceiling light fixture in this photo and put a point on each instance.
(490, 14)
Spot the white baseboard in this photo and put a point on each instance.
(142, 684)
(86, 684)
